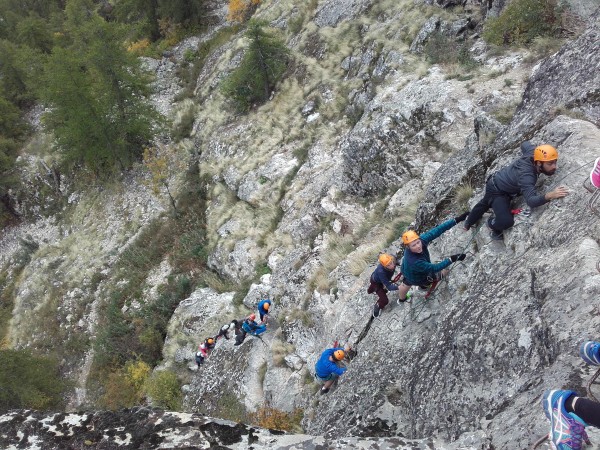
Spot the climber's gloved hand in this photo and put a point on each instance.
(457, 257)
(462, 217)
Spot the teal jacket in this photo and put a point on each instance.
(417, 268)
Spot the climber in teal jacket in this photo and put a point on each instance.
(417, 268)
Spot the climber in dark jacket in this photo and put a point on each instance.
(417, 268)
(518, 178)
(381, 282)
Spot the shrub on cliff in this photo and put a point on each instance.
(29, 381)
(522, 21)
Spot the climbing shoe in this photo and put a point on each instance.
(408, 299)
(567, 430)
(376, 311)
(324, 390)
(590, 352)
(595, 174)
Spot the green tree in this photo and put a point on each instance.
(12, 12)
(12, 130)
(17, 66)
(261, 68)
(28, 381)
(186, 12)
(143, 13)
(98, 93)
(165, 390)
(522, 21)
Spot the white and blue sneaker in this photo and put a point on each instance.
(408, 298)
(567, 430)
(590, 352)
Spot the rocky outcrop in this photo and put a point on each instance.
(566, 81)
(144, 428)
(482, 350)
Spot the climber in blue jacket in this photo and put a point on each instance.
(327, 368)
(263, 309)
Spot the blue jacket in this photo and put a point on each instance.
(520, 178)
(417, 268)
(261, 305)
(384, 276)
(250, 326)
(324, 367)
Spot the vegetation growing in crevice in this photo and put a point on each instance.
(271, 418)
(29, 381)
(521, 21)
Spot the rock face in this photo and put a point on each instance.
(144, 428)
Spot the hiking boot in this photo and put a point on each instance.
(324, 390)
(376, 311)
(595, 174)
(590, 352)
(466, 226)
(494, 234)
(567, 430)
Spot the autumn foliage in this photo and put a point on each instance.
(275, 419)
(241, 10)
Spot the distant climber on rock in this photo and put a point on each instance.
(204, 349)
(328, 369)
(240, 334)
(568, 413)
(519, 178)
(381, 282)
(251, 327)
(417, 268)
(225, 329)
(263, 309)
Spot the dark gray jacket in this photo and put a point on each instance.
(520, 178)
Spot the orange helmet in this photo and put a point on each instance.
(545, 153)
(266, 306)
(210, 341)
(338, 355)
(409, 236)
(252, 316)
(386, 259)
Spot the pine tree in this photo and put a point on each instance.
(97, 91)
(261, 68)
(142, 13)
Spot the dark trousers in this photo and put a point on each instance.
(499, 202)
(381, 292)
